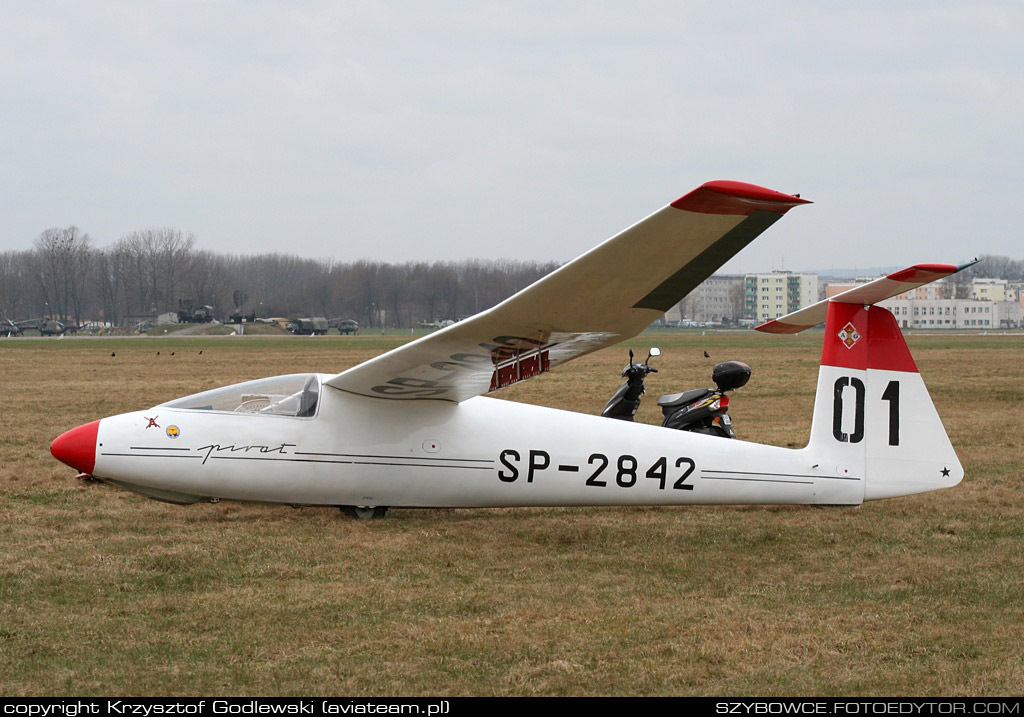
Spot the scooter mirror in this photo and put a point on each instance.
(655, 351)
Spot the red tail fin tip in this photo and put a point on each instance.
(860, 337)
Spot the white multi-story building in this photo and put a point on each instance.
(954, 313)
(717, 300)
(1011, 314)
(769, 296)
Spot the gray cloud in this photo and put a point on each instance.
(452, 129)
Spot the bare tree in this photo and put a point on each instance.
(159, 260)
(175, 256)
(64, 262)
(207, 280)
(15, 285)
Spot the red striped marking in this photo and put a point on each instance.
(726, 197)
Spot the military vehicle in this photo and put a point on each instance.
(188, 314)
(9, 328)
(51, 327)
(344, 326)
(316, 326)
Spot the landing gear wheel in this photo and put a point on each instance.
(364, 512)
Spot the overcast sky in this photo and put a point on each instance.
(528, 130)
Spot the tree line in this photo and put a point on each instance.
(146, 272)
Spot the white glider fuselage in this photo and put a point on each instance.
(478, 453)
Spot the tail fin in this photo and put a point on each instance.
(872, 411)
(873, 416)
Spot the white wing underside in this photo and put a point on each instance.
(605, 296)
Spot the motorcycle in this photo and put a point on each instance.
(702, 410)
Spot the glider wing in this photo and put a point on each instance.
(611, 293)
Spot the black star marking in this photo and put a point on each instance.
(945, 472)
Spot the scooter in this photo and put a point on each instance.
(702, 410)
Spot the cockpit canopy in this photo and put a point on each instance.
(295, 395)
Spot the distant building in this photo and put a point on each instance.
(835, 288)
(993, 305)
(989, 289)
(718, 300)
(769, 296)
(1011, 314)
(1015, 291)
(954, 313)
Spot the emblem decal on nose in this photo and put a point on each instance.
(173, 431)
(152, 422)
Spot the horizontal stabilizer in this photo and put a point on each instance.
(870, 293)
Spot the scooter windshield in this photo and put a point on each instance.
(295, 395)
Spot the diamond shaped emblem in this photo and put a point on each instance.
(848, 335)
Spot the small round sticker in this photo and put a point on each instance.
(173, 432)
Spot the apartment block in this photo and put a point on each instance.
(769, 296)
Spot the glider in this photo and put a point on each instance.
(414, 428)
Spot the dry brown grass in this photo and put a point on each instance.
(104, 592)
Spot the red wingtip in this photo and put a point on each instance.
(77, 447)
(924, 272)
(728, 197)
(752, 191)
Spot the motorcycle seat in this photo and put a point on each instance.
(678, 400)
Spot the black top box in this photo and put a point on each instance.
(729, 375)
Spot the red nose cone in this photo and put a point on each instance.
(77, 447)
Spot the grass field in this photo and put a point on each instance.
(104, 592)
